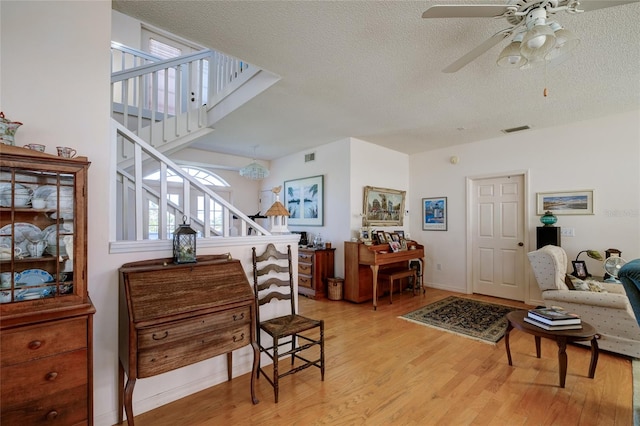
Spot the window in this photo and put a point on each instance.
(205, 177)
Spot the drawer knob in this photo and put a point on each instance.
(52, 415)
(52, 376)
(235, 339)
(35, 344)
(154, 337)
(238, 317)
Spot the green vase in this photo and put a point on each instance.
(548, 218)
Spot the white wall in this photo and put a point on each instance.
(601, 154)
(331, 161)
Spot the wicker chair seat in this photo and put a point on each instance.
(288, 325)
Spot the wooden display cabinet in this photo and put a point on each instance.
(46, 316)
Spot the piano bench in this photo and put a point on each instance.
(397, 274)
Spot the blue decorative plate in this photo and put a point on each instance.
(33, 277)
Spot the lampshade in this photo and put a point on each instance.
(566, 41)
(254, 171)
(537, 42)
(510, 57)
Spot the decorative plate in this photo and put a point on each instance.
(50, 236)
(33, 277)
(22, 231)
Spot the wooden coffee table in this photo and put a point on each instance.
(588, 332)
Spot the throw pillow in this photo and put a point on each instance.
(596, 286)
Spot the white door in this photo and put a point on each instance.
(498, 237)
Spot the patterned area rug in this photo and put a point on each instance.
(474, 319)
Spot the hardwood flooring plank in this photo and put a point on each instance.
(382, 370)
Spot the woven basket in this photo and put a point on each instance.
(335, 288)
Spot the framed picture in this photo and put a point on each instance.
(579, 269)
(387, 237)
(395, 237)
(395, 246)
(434, 214)
(304, 199)
(400, 233)
(383, 207)
(565, 202)
(365, 234)
(381, 237)
(403, 244)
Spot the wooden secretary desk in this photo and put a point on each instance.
(174, 315)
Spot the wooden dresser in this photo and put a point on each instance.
(314, 267)
(46, 316)
(173, 315)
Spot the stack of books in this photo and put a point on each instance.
(553, 319)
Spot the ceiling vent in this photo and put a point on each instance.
(309, 157)
(515, 129)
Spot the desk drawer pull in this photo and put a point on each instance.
(52, 376)
(235, 339)
(154, 337)
(52, 415)
(237, 317)
(35, 344)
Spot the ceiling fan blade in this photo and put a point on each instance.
(488, 44)
(589, 5)
(465, 11)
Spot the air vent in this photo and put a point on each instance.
(515, 129)
(309, 157)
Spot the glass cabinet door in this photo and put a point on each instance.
(37, 231)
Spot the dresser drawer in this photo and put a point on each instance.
(194, 348)
(305, 257)
(305, 268)
(69, 407)
(42, 378)
(169, 333)
(24, 344)
(305, 281)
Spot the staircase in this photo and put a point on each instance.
(160, 106)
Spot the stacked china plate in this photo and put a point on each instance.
(22, 195)
(64, 203)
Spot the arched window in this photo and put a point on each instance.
(203, 176)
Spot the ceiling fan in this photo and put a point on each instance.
(536, 38)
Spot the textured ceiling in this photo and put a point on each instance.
(372, 70)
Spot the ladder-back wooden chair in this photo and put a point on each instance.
(269, 284)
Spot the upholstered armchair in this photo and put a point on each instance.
(608, 309)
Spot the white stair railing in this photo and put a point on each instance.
(133, 197)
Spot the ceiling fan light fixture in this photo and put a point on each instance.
(537, 42)
(566, 41)
(510, 56)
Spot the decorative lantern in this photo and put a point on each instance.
(548, 219)
(184, 243)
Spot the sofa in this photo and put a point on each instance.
(604, 305)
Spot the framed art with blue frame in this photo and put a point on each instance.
(434, 214)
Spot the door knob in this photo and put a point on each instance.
(521, 244)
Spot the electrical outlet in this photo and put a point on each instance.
(568, 232)
(439, 267)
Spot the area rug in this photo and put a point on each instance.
(474, 319)
(635, 363)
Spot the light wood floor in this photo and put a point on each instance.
(381, 370)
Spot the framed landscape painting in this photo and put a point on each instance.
(304, 199)
(383, 207)
(565, 202)
(434, 214)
